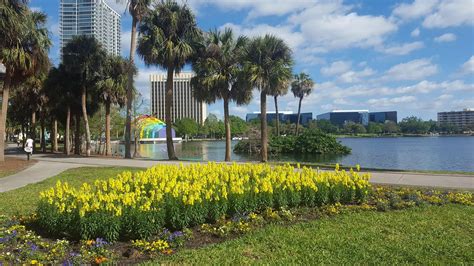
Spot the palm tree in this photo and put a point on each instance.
(84, 57)
(219, 75)
(268, 62)
(23, 50)
(138, 9)
(168, 37)
(301, 86)
(276, 92)
(112, 90)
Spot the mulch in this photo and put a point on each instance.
(13, 165)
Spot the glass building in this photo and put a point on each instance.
(285, 117)
(381, 117)
(340, 117)
(91, 18)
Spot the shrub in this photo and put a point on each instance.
(140, 205)
(309, 142)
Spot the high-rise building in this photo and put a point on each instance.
(91, 18)
(285, 117)
(381, 117)
(184, 103)
(340, 117)
(457, 118)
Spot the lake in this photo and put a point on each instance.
(404, 153)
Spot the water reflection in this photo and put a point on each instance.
(417, 153)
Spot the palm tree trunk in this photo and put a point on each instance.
(108, 148)
(168, 107)
(33, 130)
(86, 122)
(23, 137)
(299, 113)
(77, 135)
(67, 144)
(43, 135)
(263, 122)
(227, 130)
(3, 114)
(128, 122)
(277, 124)
(54, 137)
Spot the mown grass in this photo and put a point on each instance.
(426, 235)
(23, 200)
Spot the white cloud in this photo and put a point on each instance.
(36, 9)
(255, 8)
(386, 102)
(293, 38)
(342, 31)
(142, 81)
(416, 9)
(468, 67)
(335, 68)
(120, 6)
(413, 70)
(451, 13)
(456, 85)
(444, 97)
(415, 32)
(356, 76)
(403, 49)
(447, 37)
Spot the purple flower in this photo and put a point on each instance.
(99, 242)
(175, 235)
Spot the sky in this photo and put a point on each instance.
(414, 57)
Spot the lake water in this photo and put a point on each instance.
(410, 153)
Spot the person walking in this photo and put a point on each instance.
(29, 147)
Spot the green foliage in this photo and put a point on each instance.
(238, 126)
(326, 126)
(414, 125)
(390, 127)
(309, 142)
(186, 127)
(213, 127)
(354, 128)
(374, 128)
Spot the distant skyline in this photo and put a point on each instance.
(414, 57)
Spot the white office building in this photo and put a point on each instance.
(93, 18)
(184, 103)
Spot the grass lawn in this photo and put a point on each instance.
(421, 235)
(23, 200)
(428, 235)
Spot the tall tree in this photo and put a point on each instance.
(220, 75)
(301, 86)
(84, 57)
(23, 50)
(276, 92)
(269, 64)
(168, 38)
(112, 90)
(138, 9)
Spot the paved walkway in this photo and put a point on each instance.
(50, 165)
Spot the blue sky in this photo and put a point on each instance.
(415, 57)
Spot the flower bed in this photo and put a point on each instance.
(138, 206)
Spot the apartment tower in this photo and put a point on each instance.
(92, 18)
(184, 103)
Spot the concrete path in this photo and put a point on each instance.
(50, 165)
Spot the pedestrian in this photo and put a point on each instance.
(29, 147)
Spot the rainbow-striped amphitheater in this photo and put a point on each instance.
(152, 128)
